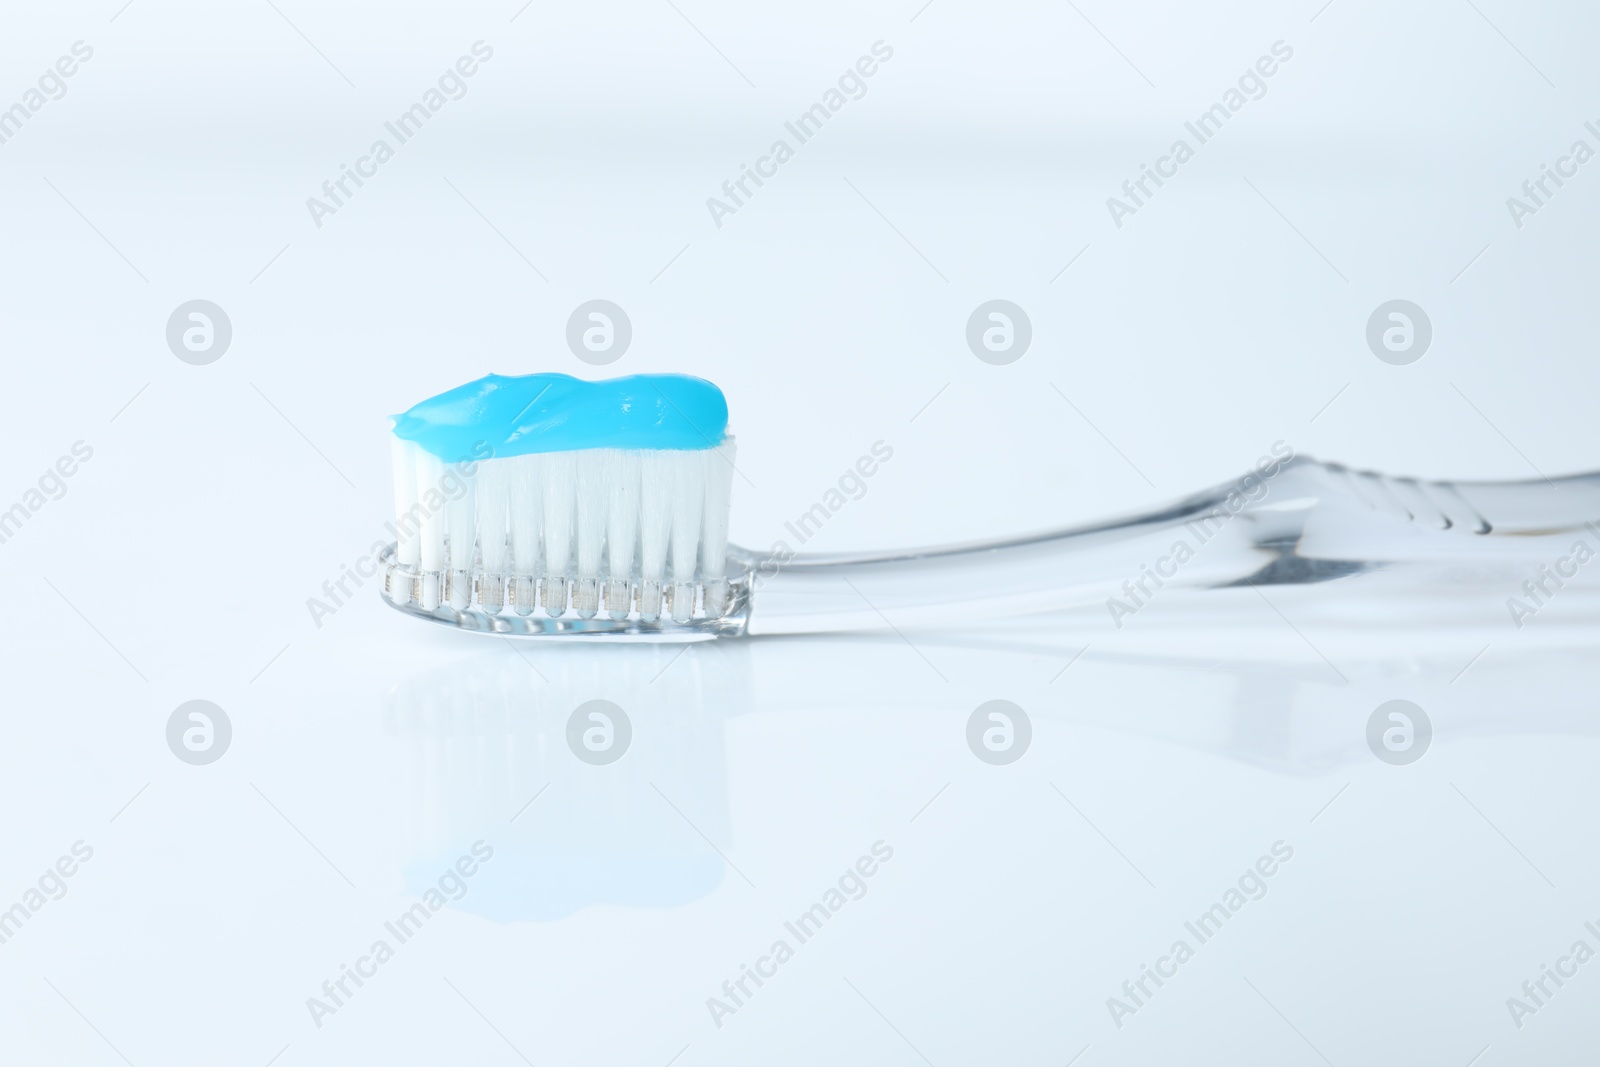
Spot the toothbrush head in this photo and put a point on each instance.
(546, 504)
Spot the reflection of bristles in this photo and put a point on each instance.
(486, 741)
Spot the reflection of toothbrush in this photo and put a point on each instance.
(602, 508)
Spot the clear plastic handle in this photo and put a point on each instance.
(1305, 522)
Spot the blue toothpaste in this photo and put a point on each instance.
(515, 415)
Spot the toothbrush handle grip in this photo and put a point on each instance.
(1304, 522)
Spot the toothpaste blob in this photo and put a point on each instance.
(516, 415)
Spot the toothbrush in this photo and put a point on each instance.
(543, 504)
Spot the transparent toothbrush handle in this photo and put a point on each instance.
(1306, 522)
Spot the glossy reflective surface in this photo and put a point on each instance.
(657, 819)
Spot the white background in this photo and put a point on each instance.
(370, 751)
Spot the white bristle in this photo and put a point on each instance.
(593, 499)
(402, 455)
(461, 524)
(493, 501)
(655, 528)
(688, 510)
(714, 531)
(622, 528)
(577, 532)
(527, 517)
(560, 506)
(430, 538)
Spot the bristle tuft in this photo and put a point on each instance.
(624, 533)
